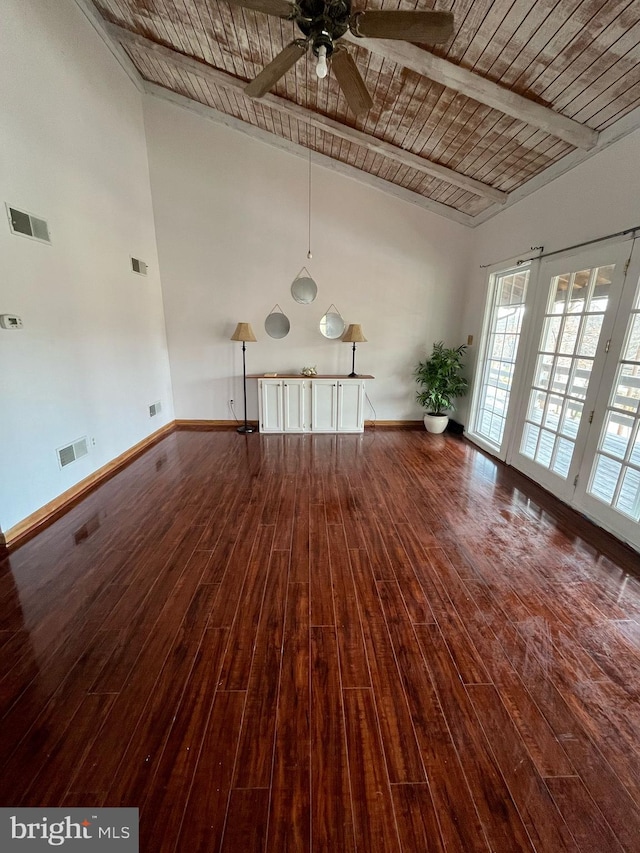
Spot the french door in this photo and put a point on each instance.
(610, 490)
(579, 299)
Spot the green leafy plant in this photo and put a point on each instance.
(439, 377)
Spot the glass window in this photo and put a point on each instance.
(615, 476)
(495, 369)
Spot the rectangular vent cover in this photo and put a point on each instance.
(138, 266)
(69, 454)
(154, 409)
(28, 225)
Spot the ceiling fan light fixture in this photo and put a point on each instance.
(321, 66)
(324, 22)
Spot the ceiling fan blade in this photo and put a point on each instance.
(420, 27)
(350, 81)
(272, 72)
(279, 8)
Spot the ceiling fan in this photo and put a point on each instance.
(324, 22)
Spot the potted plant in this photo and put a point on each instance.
(441, 383)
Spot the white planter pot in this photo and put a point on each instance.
(436, 424)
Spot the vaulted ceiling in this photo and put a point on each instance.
(522, 91)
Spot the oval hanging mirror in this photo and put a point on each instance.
(277, 324)
(303, 288)
(332, 325)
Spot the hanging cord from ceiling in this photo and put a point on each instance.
(544, 254)
(309, 255)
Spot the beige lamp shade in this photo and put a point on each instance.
(354, 335)
(243, 332)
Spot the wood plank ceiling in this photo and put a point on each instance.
(520, 85)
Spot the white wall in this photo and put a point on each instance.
(599, 197)
(231, 219)
(92, 354)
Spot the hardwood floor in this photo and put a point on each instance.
(386, 642)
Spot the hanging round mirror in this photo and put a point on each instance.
(332, 325)
(277, 324)
(304, 289)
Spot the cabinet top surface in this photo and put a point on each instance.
(300, 376)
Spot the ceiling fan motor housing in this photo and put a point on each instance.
(323, 22)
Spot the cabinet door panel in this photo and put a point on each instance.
(294, 408)
(350, 406)
(271, 405)
(324, 410)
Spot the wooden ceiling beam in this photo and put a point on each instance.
(269, 137)
(371, 143)
(480, 89)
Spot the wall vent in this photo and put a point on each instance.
(76, 450)
(138, 266)
(28, 225)
(154, 409)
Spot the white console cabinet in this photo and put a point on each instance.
(314, 404)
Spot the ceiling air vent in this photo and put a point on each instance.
(28, 225)
(69, 454)
(154, 409)
(138, 266)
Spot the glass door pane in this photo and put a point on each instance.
(564, 363)
(611, 492)
(573, 323)
(509, 290)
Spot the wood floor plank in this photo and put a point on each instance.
(585, 820)
(414, 567)
(50, 785)
(232, 583)
(236, 540)
(502, 823)
(353, 511)
(235, 529)
(27, 754)
(300, 545)
(459, 819)
(416, 601)
(246, 823)
(449, 664)
(479, 612)
(290, 806)
(255, 750)
(211, 786)
(332, 505)
(159, 677)
(331, 807)
(354, 669)
(27, 692)
(217, 515)
(322, 612)
(272, 502)
(380, 562)
(461, 645)
(599, 776)
(167, 795)
(285, 519)
(113, 677)
(398, 736)
(371, 794)
(543, 822)
(242, 634)
(14, 645)
(416, 819)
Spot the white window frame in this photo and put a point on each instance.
(495, 275)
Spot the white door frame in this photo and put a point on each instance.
(597, 256)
